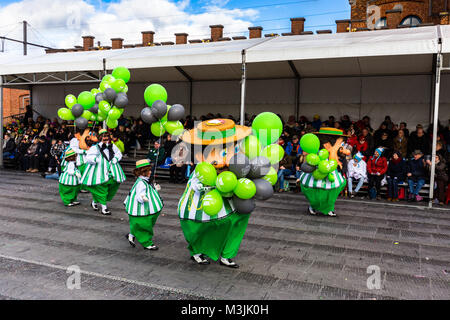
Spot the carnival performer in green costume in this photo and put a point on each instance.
(143, 205)
(69, 180)
(103, 174)
(219, 236)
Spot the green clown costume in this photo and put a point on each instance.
(216, 236)
(69, 181)
(103, 174)
(143, 206)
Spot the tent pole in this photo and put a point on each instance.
(243, 87)
(1, 122)
(435, 125)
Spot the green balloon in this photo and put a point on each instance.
(251, 146)
(104, 107)
(333, 164)
(319, 175)
(274, 153)
(114, 113)
(157, 129)
(323, 154)
(94, 91)
(324, 166)
(227, 195)
(104, 85)
(87, 114)
(312, 159)
(267, 126)
(174, 127)
(331, 177)
(65, 114)
(70, 100)
(111, 123)
(212, 203)
(155, 92)
(271, 176)
(108, 79)
(86, 99)
(245, 189)
(226, 182)
(101, 116)
(118, 85)
(206, 173)
(121, 73)
(310, 143)
(93, 117)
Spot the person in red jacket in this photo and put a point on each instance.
(376, 168)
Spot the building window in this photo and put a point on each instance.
(412, 21)
(382, 22)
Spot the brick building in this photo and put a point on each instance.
(390, 14)
(14, 101)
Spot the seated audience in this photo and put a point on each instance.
(440, 177)
(395, 174)
(356, 170)
(416, 175)
(376, 168)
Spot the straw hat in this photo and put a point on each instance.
(215, 132)
(142, 163)
(102, 131)
(69, 152)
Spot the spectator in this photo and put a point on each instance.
(440, 177)
(169, 144)
(43, 152)
(376, 168)
(316, 123)
(330, 122)
(32, 157)
(291, 121)
(156, 155)
(22, 151)
(9, 146)
(284, 171)
(395, 174)
(440, 150)
(379, 133)
(28, 118)
(418, 141)
(118, 143)
(386, 143)
(366, 136)
(179, 163)
(403, 126)
(416, 174)
(389, 123)
(357, 170)
(401, 143)
(142, 133)
(293, 149)
(345, 122)
(56, 152)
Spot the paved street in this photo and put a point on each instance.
(286, 253)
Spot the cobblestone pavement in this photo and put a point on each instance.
(285, 254)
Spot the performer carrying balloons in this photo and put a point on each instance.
(103, 174)
(320, 181)
(143, 205)
(215, 208)
(69, 180)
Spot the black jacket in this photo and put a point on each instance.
(10, 146)
(417, 169)
(418, 143)
(397, 170)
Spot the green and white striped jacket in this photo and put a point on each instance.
(190, 205)
(81, 154)
(307, 180)
(99, 170)
(69, 175)
(136, 206)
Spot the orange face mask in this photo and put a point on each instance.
(82, 138)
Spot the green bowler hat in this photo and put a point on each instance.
(142, 163)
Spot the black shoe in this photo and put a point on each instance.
(130, 239)
(94, 206)
(228, 263)
(200, 259)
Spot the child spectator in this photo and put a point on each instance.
(284, 171)
(440, 177)
(56, 151)
(357, 170)
(376, 168)
(416, 175)
(395, 174)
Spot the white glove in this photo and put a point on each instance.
(114, 160)
(144, 198)
(157, 187)
(78, 175)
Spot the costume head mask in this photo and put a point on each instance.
(334, 141)
(86, 138)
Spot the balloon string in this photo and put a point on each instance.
(157, 155)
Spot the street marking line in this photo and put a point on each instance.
(116, 278)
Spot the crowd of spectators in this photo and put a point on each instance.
(388, 155)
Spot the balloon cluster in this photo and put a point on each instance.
(317, 161)
(251, 172)
(159, 115)
(104, 103)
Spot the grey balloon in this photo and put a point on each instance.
(121, 100)
(264, 189)
(147, 116)
(307, 168)
(94, 109)
(159, 109)
(99, 97)
(176, 112)
(244, 206)
(81, 123)
(259, 167)
(239, 165)
(110, 94)
(77, 110)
